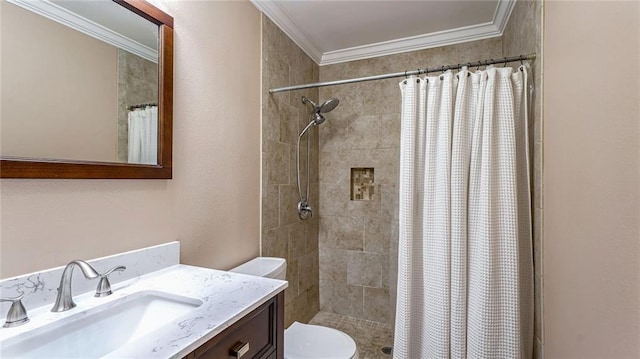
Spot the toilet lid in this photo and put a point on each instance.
(313, 341)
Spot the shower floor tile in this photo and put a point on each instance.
(370, 337)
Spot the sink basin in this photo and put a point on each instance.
(101, 330)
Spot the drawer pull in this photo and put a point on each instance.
(239, 350)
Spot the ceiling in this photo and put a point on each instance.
(346, 30)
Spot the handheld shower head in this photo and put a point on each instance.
(317, 118)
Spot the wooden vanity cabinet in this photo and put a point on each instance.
(258, 335)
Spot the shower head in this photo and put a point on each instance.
(327, 106)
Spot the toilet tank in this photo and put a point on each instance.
(268, 267)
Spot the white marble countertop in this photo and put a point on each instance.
(226, 298)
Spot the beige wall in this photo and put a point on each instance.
(60, 90)
(213, 203)
(592, 179)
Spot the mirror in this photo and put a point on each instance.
(86, 89)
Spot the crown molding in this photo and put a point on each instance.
(88, 27)
(502, 14)
(284, 22)
(459, 35)
(487, 30)
(419, 42)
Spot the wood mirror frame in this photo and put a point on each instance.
(18, 167)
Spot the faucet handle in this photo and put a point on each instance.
(17, 314)
(104, 287)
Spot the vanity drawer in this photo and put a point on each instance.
(257, 335)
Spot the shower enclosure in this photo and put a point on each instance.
(356, 239)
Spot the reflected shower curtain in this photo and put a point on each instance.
(465, 269)
(143, 135)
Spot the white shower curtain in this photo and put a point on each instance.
(143, 135)
(465, 267)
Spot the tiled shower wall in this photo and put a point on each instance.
(523, 34)
(358, 239)
(283, 117)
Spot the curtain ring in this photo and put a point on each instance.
(405, 74)
(505, 62)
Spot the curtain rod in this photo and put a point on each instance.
(529, 57)
(144, 105)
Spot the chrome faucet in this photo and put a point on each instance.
(64, 300)
(17, 315)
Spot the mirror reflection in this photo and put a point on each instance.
(82, 87)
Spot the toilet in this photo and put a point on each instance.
(302, 341)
